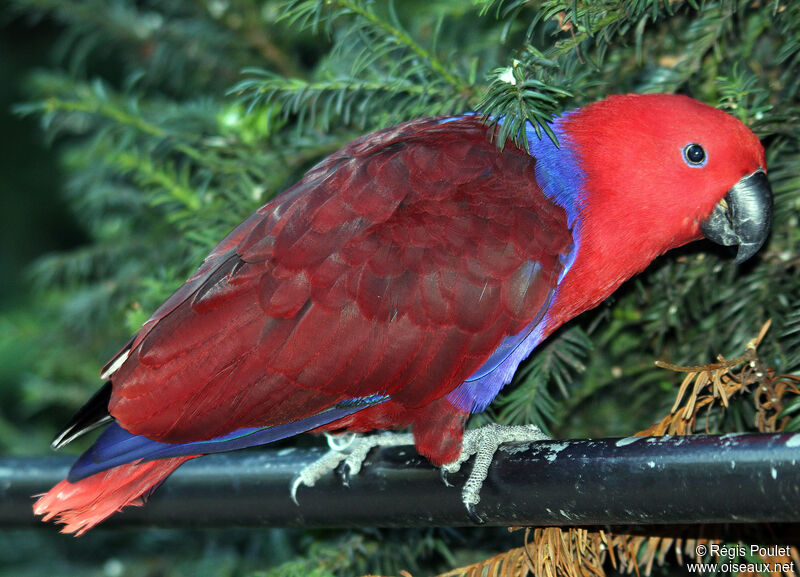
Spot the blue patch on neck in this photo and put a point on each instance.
(561, 179)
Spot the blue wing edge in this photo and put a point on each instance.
(116, 446)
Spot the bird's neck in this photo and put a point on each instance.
(610, 245)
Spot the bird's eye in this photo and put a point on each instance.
(694, 154)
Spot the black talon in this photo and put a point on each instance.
(473, 515)
(443, 477)
(344, 475)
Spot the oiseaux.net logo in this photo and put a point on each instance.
(752, 562)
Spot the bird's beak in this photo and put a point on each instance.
(743, 217)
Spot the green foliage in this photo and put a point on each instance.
(375, 73)
(172, 120)
(359, 554)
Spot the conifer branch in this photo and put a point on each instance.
(401, 36)
(99, 107)
(170, 183)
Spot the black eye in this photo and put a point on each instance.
(694, 154)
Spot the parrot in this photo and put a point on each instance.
(400, 283)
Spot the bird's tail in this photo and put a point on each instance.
(85, 503)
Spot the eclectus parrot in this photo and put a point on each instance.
(403, 280)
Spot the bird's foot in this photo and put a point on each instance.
(350, 449)
(483, 443)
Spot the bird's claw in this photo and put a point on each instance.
(472, 514)
(483, 443)
(341, 443)
(350, 451)
(296, 482)
(443, 477)
(344, 474)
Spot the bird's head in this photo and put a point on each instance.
(663, 170)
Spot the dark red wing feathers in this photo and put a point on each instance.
(396, 266)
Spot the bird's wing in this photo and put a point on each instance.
(394, 267)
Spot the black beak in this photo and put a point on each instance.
(743, 217)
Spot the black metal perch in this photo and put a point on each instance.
(637, 480)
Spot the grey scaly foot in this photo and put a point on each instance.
(483, 443)
(348, 448)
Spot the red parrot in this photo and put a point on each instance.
(402, 281)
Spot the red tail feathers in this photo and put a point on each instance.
(82, 505)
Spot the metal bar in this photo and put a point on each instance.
(642, 481)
